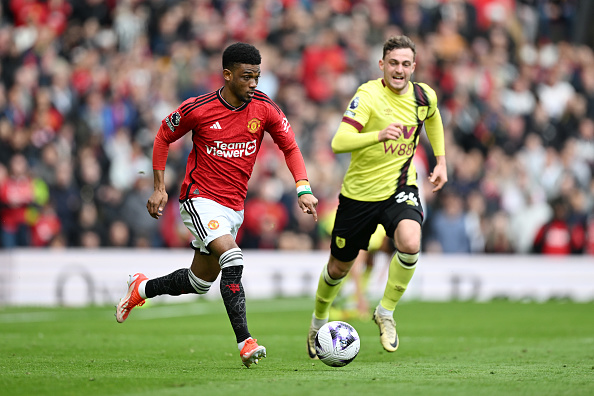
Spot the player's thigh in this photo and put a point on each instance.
(402, 218)
(354, 223)
(208, 220)
(221, 244)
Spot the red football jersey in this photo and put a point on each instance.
(226, 141)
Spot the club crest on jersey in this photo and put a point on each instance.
(254, 125)
(340, 242)
(175, 118)
(354, 103)
(213, 224)
(422, 112)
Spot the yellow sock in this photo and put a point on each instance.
(328, 289)
(402, 268)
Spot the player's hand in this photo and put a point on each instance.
(156, 203)
(308, 203)
(439, 176)
(392, 132)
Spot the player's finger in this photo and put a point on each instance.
(438, 182)
(397, 131)
(149, 207)
(152, 209)
(433, 180)
(312, 210)
(161, 207)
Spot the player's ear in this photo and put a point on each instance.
(381, 64)
(227, 74)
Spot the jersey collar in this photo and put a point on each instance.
(408, 92)
(227, 105)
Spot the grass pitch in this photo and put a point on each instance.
(458, 348)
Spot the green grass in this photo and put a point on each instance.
(459, 348)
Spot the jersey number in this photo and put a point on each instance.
(409, 198)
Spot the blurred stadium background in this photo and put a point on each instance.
(85, 84)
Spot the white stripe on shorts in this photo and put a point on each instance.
(198, 226)
(207, 220)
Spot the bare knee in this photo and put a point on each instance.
(407, 237)
(205, 266)
(338, 269)
(409, 245)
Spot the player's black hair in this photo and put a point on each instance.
(241, 53)
(399, 42)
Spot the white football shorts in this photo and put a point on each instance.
(207, 220)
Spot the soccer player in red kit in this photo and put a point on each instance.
(227, 128)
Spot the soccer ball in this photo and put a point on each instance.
(337, 343)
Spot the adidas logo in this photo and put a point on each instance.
(216, 125)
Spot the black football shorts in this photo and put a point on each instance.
(356, 220)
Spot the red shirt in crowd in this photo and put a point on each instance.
(556, 237)
(16, 194)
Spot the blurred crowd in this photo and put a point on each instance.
(84, 85)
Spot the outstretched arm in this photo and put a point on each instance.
(348, 138)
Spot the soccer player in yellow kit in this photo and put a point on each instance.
(381, 129)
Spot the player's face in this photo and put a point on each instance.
(398, 66)
(242, 82)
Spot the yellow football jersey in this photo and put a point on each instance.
(377, 169)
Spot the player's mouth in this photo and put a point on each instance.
(398, 78)
(250, 94)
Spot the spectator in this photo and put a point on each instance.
(119, 235)
(46, 228)
(448, 225)
(66, 200)
(557, 236)
(89, 229)
(554, 92)
(518, 99)
(323, 61)
(143, 229)
(265, 216)
(497, 238)
(17, 197)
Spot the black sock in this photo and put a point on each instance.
(174, 284)
(234, 299)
